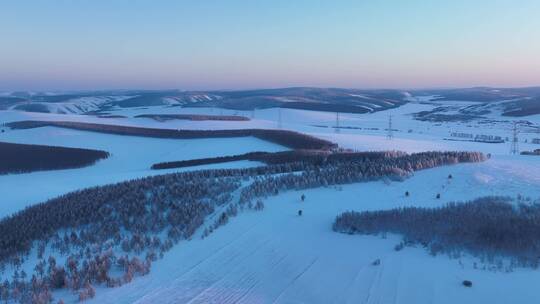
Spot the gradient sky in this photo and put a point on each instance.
(108, 44)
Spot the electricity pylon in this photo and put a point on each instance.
(515, 141)
(390, 133)
(336, 129)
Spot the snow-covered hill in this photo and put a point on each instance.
(343, 100)
(454, 104)
(79, 105)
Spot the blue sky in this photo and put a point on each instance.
(94, 44)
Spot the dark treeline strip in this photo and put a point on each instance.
(290, 139)
(194, 117)
(19, 158)
(316, 157)
(98, 228)
(204, 161)
(111, 116)
(326, 107)
(485, 227)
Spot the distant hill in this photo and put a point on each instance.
(320, 99)
(516, 102)
(523, 107)
(508, 101)
(480, 94)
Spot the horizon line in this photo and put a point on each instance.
(271, 88)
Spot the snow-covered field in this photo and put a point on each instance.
(275, 256)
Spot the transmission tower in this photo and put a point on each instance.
(336, 129)
(390, 133)
(515, 142)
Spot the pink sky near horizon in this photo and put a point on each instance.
(241, 45)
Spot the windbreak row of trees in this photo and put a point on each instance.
(315, 157)
(486, 227)
(109, 234)
(290, 139)
(206, 161)
(194, 117)
(20, 158)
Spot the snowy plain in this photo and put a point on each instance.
(274, 256)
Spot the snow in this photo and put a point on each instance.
(274, 256)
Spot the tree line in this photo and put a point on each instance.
(287, 138)
(317, 157)
(194, 117)
(21, 158)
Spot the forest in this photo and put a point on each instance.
(486, 227)
(290, 139)
(29, 158)
(107, 235)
